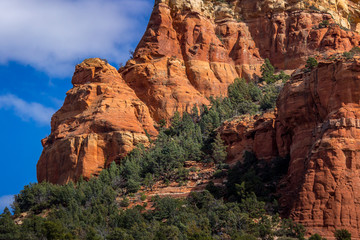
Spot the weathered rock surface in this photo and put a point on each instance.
(317, 124)
(320, 114)
(253, 134)
(101, 120)
(192, 50)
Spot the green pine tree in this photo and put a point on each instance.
(219, 153)
(268, 71)
(8, 229)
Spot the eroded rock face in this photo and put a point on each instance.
(192, 50)
(320, 113)
(317, 124)
(101, 121)
(253, 134)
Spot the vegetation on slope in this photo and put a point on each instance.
(90, 210)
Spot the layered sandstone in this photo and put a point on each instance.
(317, 124)
(190, 51)
(319, 111)
(255, 134)
(101, 120)
(194, 49)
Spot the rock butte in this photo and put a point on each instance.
(194, 49)
(101, 120)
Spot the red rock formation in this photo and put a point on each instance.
(318, 124)
(193, 50)
(253, 134)
(101, 120)
(320, 113)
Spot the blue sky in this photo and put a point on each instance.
(41, 42)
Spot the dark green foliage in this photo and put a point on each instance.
(268, 73)
(342, 234)
(168, 232)
(244, 237)
(283, 76)
(166, 208)
(240, 91)
(355, 50)
(162, 123)
(92, 209)
(8, 229)
(316, 237)
(311, 63)
(324, 24)
(218, 150)
(119, 234)
(219, 174)
(54, 230)
(149, 181)
(291, 229)
(243, 96)
(125, 202)
(348, 55)
(143, 197)
(91, 213)
(217, 192)
(269, 98)
(255, 176)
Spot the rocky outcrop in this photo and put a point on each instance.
(250, 133)
(319, 112)
(101, 121)
(192, 50)
(317, 124)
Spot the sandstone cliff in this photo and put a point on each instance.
(317, 124)
(101, 120)
(320, 114)
(193, 49)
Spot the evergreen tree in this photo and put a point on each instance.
(268, 100)
(119, 234)
(316, 237)
(149, 181)
(8, 229)
(342, 234)
(311, 63)
(175, 124)
(267, 71)
(90, 209)
(218, 150)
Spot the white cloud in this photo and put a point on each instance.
(5, 201)
(27, 110)
(54, 35)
